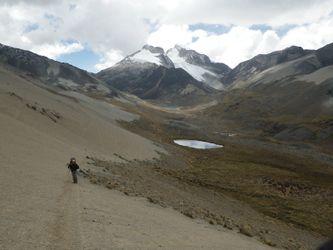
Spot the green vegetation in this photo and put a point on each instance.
(294, 189)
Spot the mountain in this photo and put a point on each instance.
(243, 71)
(135, 72)
(50, 72)
(284, 64)
(199, 66)
(150, 74)
(150, 54)
(287, 95)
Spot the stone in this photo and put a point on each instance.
(247, 230)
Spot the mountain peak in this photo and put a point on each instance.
(153, 49)
(291, 48)
(178, 47)
(195, 64)
(190, 56)
(148, 54)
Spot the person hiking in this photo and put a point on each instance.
(73, 167)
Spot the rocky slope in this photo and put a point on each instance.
(289, 101)
(244, 70)
(50, 72)
(284, 64)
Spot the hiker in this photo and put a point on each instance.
(73, 167)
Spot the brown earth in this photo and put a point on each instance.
(40, 129)
(273, 188)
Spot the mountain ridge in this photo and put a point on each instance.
(218, 75)
(51, 72)
(137, 75)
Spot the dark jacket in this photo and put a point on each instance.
(73, 166)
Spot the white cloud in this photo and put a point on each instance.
(168, 35)
(244, 13)
(237, 45)
(112, 28)
(310, 36)
(242, 43)
(102, 25)
(269, 41)
(55, 50)
(110, 59)
(231, 48)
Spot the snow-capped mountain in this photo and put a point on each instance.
(149, 54)
(199, 66)
(150, 74)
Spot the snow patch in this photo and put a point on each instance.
(195, 71)
(147, 56)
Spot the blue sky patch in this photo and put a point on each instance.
(280, 31)
(152, 25)
(261, 27)
(217, 29)
(54, 21)
(85, 59)
(31, 27)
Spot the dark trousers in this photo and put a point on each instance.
(74, 175)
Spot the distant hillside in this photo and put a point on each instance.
(48, 71)
(291, 100)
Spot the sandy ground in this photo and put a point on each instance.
(41, 209)
(79, 127)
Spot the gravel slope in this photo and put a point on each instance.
(41, 209)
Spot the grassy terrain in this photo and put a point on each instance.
(296, 190)
(277, 187)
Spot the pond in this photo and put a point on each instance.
(197, 144)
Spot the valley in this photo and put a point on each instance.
(270, 185)
(233, 186)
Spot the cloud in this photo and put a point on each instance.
(241, 43)
(55, 50)
(238, 44)
(167, 36)
(112, 27)
(102, 25)
(310, 36)
(245, 13)
(32, 2)
(231, 48)
(110, 58)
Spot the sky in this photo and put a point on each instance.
(96, 34)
